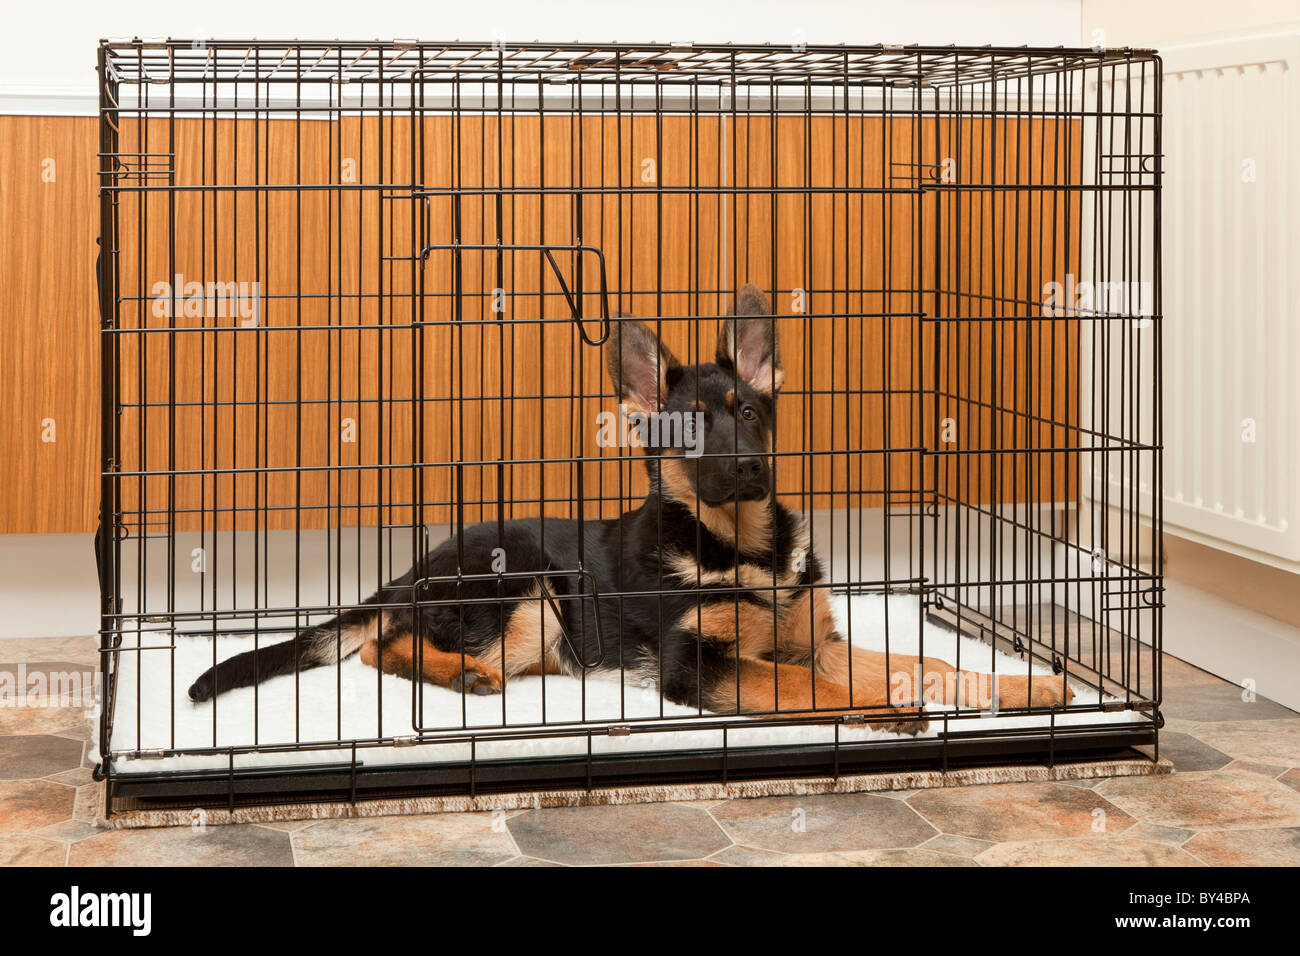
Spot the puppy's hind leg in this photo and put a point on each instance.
(772, 689)
(396, 652)
(933, 680)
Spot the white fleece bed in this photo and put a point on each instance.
(177, 723)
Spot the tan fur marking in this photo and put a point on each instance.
(766, 687)
(808, 633)
(336, 645)
(748, 525)
(935, 680)
(687, 570)
(808, 620)
(752, 628)
(910, 679)
(435, 666)
(528, 645)
(550, 666)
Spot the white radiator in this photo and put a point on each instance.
(1231, 328)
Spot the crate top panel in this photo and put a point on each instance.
(417, 62)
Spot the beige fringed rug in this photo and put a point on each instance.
(861, 783)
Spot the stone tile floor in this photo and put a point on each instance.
(1234, 799)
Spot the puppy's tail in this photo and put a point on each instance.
(326, 643)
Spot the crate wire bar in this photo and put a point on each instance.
(353, 298)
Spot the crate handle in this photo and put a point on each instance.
(573, 306)
(568, 639)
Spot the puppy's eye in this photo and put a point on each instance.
(748, 413)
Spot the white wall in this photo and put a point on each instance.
(47, 50)
(1158, 23)
(48, 585)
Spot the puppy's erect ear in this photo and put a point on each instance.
(747, 342)
(639, 364)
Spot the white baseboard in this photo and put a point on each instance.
(1234, 642)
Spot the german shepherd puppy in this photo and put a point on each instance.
(732, 619)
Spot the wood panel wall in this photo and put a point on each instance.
(49, 346)
(235, 411)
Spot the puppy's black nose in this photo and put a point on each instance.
(748, 469)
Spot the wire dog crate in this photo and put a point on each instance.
(358, 302)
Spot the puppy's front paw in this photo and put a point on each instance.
(1038, 691)
(477, 679)
(1051, 692)
(907, 728)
